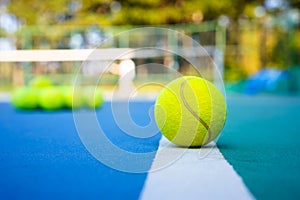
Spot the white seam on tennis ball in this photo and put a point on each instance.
(208, 136)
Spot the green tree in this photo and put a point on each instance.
(133, 12)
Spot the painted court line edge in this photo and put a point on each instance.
(198, 174)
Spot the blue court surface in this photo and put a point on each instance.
(42, 156)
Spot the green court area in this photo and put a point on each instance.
(261, 140)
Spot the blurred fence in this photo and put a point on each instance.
(254, 45)
(246, 47)
(18, 72)
(258, 47)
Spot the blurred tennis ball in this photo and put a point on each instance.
(40, 82)
(50, 98)
(93, 97)
(72, 97)
(190, 111)
(25, 98)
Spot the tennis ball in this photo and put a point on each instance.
(40, 82)
(93, 97)
(72, 97)
(190, 111)
(50, 99)
(24, 98)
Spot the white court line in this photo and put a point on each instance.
(199, 174)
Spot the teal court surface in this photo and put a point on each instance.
(256, 157)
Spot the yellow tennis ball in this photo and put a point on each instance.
(93, 97)
(190, 111)
(73, 98)
(40, 82)
(50, 98)
(25, 98)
